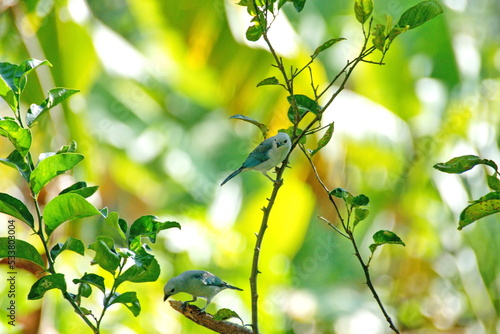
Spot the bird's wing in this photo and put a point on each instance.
(259, 154)
(210, 279)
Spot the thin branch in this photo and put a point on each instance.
(334, 227)
(206, 320)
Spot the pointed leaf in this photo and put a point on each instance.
(16, 160)
(8, 90)
(254, 31)
(149, 226)
(19, 137)
(81, 189)
(24, 69)
(95, 280)
(385, 237)
(105, 255)
(71, 244)
(268, 81)
(145, 269)
(51, 167)
(419, 14)
(66, 207)
(15, 208)
(263, 128)
(485, 206)
(493, 182)
(46, 283)
(326, 45)
(226, 314)
(304, 105)
(463, 163)
(360, 214)
(55, 96)
(129, 299)
(325, 139)
(19, 249)
(299, 5)
(363, 9)
(113, 220)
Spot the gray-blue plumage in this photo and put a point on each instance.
(270, 153)
(198, 283)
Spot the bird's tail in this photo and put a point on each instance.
(233, 174)
(233, 287)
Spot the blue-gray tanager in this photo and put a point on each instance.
(267, 155)
(198, 283)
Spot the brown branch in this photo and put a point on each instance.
(207, 320)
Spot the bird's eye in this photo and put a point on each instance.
(172, 290)
(286, 140)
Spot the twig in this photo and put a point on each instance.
(206, 320)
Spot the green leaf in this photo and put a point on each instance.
(19, 137)
(66, 207)
(105, 255)
(84, 289)
(55, 96)
(71, 148)
(145, 269)
(268, 81)
(226, 314)
(113, 220)
(326, 45)
(93, 279)
(395, 32)
(485, 206)
(360, 214)
(46, 283)
(81, 189)
(262, 127)
(360, 200)
(149, 226)
(51, 167)
(304, 105)
(325, 139)
(419, 14)
(363, 10)
(71, 244)
(493, 182)
(24, 69)
(463, 163)
(341, 193)
(8, 90)
(15, 208)
(385, 237)
(16, 160)
(254, 31)
(379, 37)
(21, 249)
(129, 299)
(299, 5)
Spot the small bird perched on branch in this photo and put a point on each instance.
(198, 283)
(267, 155)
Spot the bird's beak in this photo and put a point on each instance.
(166, 296)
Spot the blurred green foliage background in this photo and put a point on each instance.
(159, 80)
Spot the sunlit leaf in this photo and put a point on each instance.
(66, 207)
(105, 256)
(81, 189)
(19, 249)
(15, 208)
(113, 220)
(385, 237)
(46, 283)
(419, 14)
(149, 226)
(360, 214)
(254, 31)
(55, 96)
(93, 279)
(17, 161)
(145, 269)
(51, 167)
(379, 37)
(71, 244)
(24, 69)
(493, 182)
(363, 10)
(485, 206)
(360, 200)
(304, 105)
(326, 45)
(129, 299)
(19, 137)
(226, 314)
(325, 139)
(262, 127)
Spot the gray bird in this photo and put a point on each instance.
(198, 283)
(270, 153)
